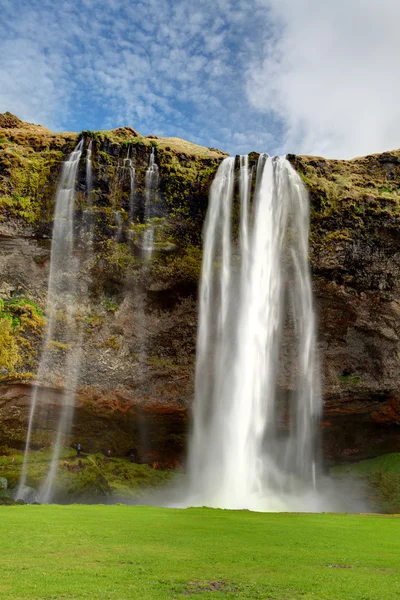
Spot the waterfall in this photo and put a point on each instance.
(151, 184)
(128, 165)
(61, 300)
(87, 225)
(251, 446)
(89, 176)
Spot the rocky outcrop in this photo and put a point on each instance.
(140, 320)
(103, 420)
(355, 258)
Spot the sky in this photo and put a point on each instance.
(303, 76)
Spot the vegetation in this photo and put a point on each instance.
(29, 164)
(379, 477)
(120, 552)
(88, 478)
(183, 268)
(21, 325)
(350, 199)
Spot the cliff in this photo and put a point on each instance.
(136, 380)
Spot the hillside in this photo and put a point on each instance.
(130, 395)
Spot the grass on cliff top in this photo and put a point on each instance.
(119, 552)
(179, 145)
(89, 478)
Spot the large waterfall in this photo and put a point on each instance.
(254, 440)
(61, 301)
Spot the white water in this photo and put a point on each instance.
(252, 447)
(87, 216)
(89, 173)
(61, 300)
(128, 165)
(151, 184)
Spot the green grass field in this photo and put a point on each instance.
(120, 552)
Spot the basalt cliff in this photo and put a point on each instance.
(140, 318)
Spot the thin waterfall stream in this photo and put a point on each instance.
(61, 300)
(249, 448)
(89, 173)
(128, 165)
(151, 184)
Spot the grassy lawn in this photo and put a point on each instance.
(121, 552)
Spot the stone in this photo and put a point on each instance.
(125, 398)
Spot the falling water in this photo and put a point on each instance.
(251, 447)
(62, 288)
(89, 176)
(151, 183)
(128, 165)
(87, 221)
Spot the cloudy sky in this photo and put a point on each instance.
(303, 76)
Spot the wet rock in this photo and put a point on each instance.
(139, 334)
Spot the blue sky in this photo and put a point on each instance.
(304, 76)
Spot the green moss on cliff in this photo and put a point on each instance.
(30, 159)
(182, 269)
(23, 195)
(85, 478)
(9, 354)
(21, 326)
(349, 196)
(355, 218)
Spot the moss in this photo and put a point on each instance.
(9, 353)
(158, 362)
(95, 321)
(55, 346)
(354, 204)
(27, 192)
(109, 305)
(182, 269)
(83, 478)
(117, 256)
(112, 342)
(21, 327)
(350, 379)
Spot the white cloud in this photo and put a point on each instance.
(329, 70)
(308, 76)
(158, 65)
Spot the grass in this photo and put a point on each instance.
(89, 478)
(381, 479)
(387, 463)
(96, 478)
(120, 552)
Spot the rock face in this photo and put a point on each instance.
(355, 258)
(140, 319)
